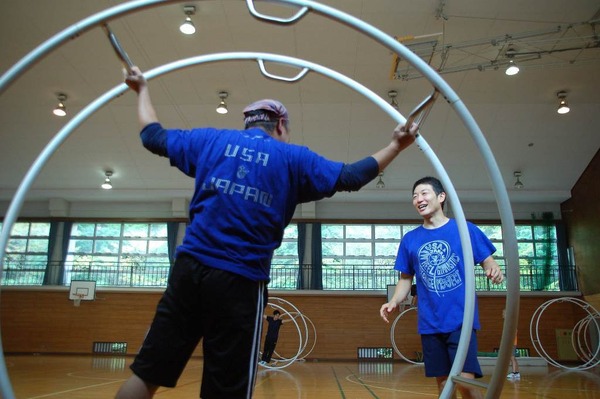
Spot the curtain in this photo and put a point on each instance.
(310, 275)
(66, 236)
(301, 250)
(543, 271)
(172, 229)
(316, 282)
(567, 279)
(48, 275)
(55, 268)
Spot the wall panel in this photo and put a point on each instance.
(47, 322)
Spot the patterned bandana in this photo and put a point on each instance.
(273, 106)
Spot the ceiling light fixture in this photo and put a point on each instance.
(222, 107)
(60, 109)
(187, 27)
(380, 183)
(563, 107)
(512, 68)
(392, 94)
(107, 185)
(518, 183)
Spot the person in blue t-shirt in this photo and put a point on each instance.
(433, 254)
(247, 185)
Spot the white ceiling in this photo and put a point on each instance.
(517, 114)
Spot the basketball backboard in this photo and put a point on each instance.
(82, 290)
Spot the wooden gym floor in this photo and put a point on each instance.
(91, 377)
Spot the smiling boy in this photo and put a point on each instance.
(433, 253)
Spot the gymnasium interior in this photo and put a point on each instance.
(85, 266)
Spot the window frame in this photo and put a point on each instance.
(120, 268)
(31, 266)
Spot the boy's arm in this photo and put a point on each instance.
(287, 320)
(400, 294)
(492, 270)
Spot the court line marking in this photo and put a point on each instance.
(349, 379)
(74, 374)
(362, 383)
(338, 383)
(74, 389)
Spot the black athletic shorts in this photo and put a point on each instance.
(223, 308)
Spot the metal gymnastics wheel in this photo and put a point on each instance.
(303, 338)
(393, 335)
(285, 362)
(303, 352)
(590, 359)
(441, 87)
(584, 347)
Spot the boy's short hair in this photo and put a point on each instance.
(435, 183)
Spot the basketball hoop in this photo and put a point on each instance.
(77, 299)
(82, 290)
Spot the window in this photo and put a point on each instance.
(284, 266)
(494, 233)
(538, 257)
(354, 256)
(360, 256)
(119, 254)
(26, 254)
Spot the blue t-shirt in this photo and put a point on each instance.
(247, 186)
(435, 257)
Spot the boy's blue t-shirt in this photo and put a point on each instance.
(247, 188)
(435, 257)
